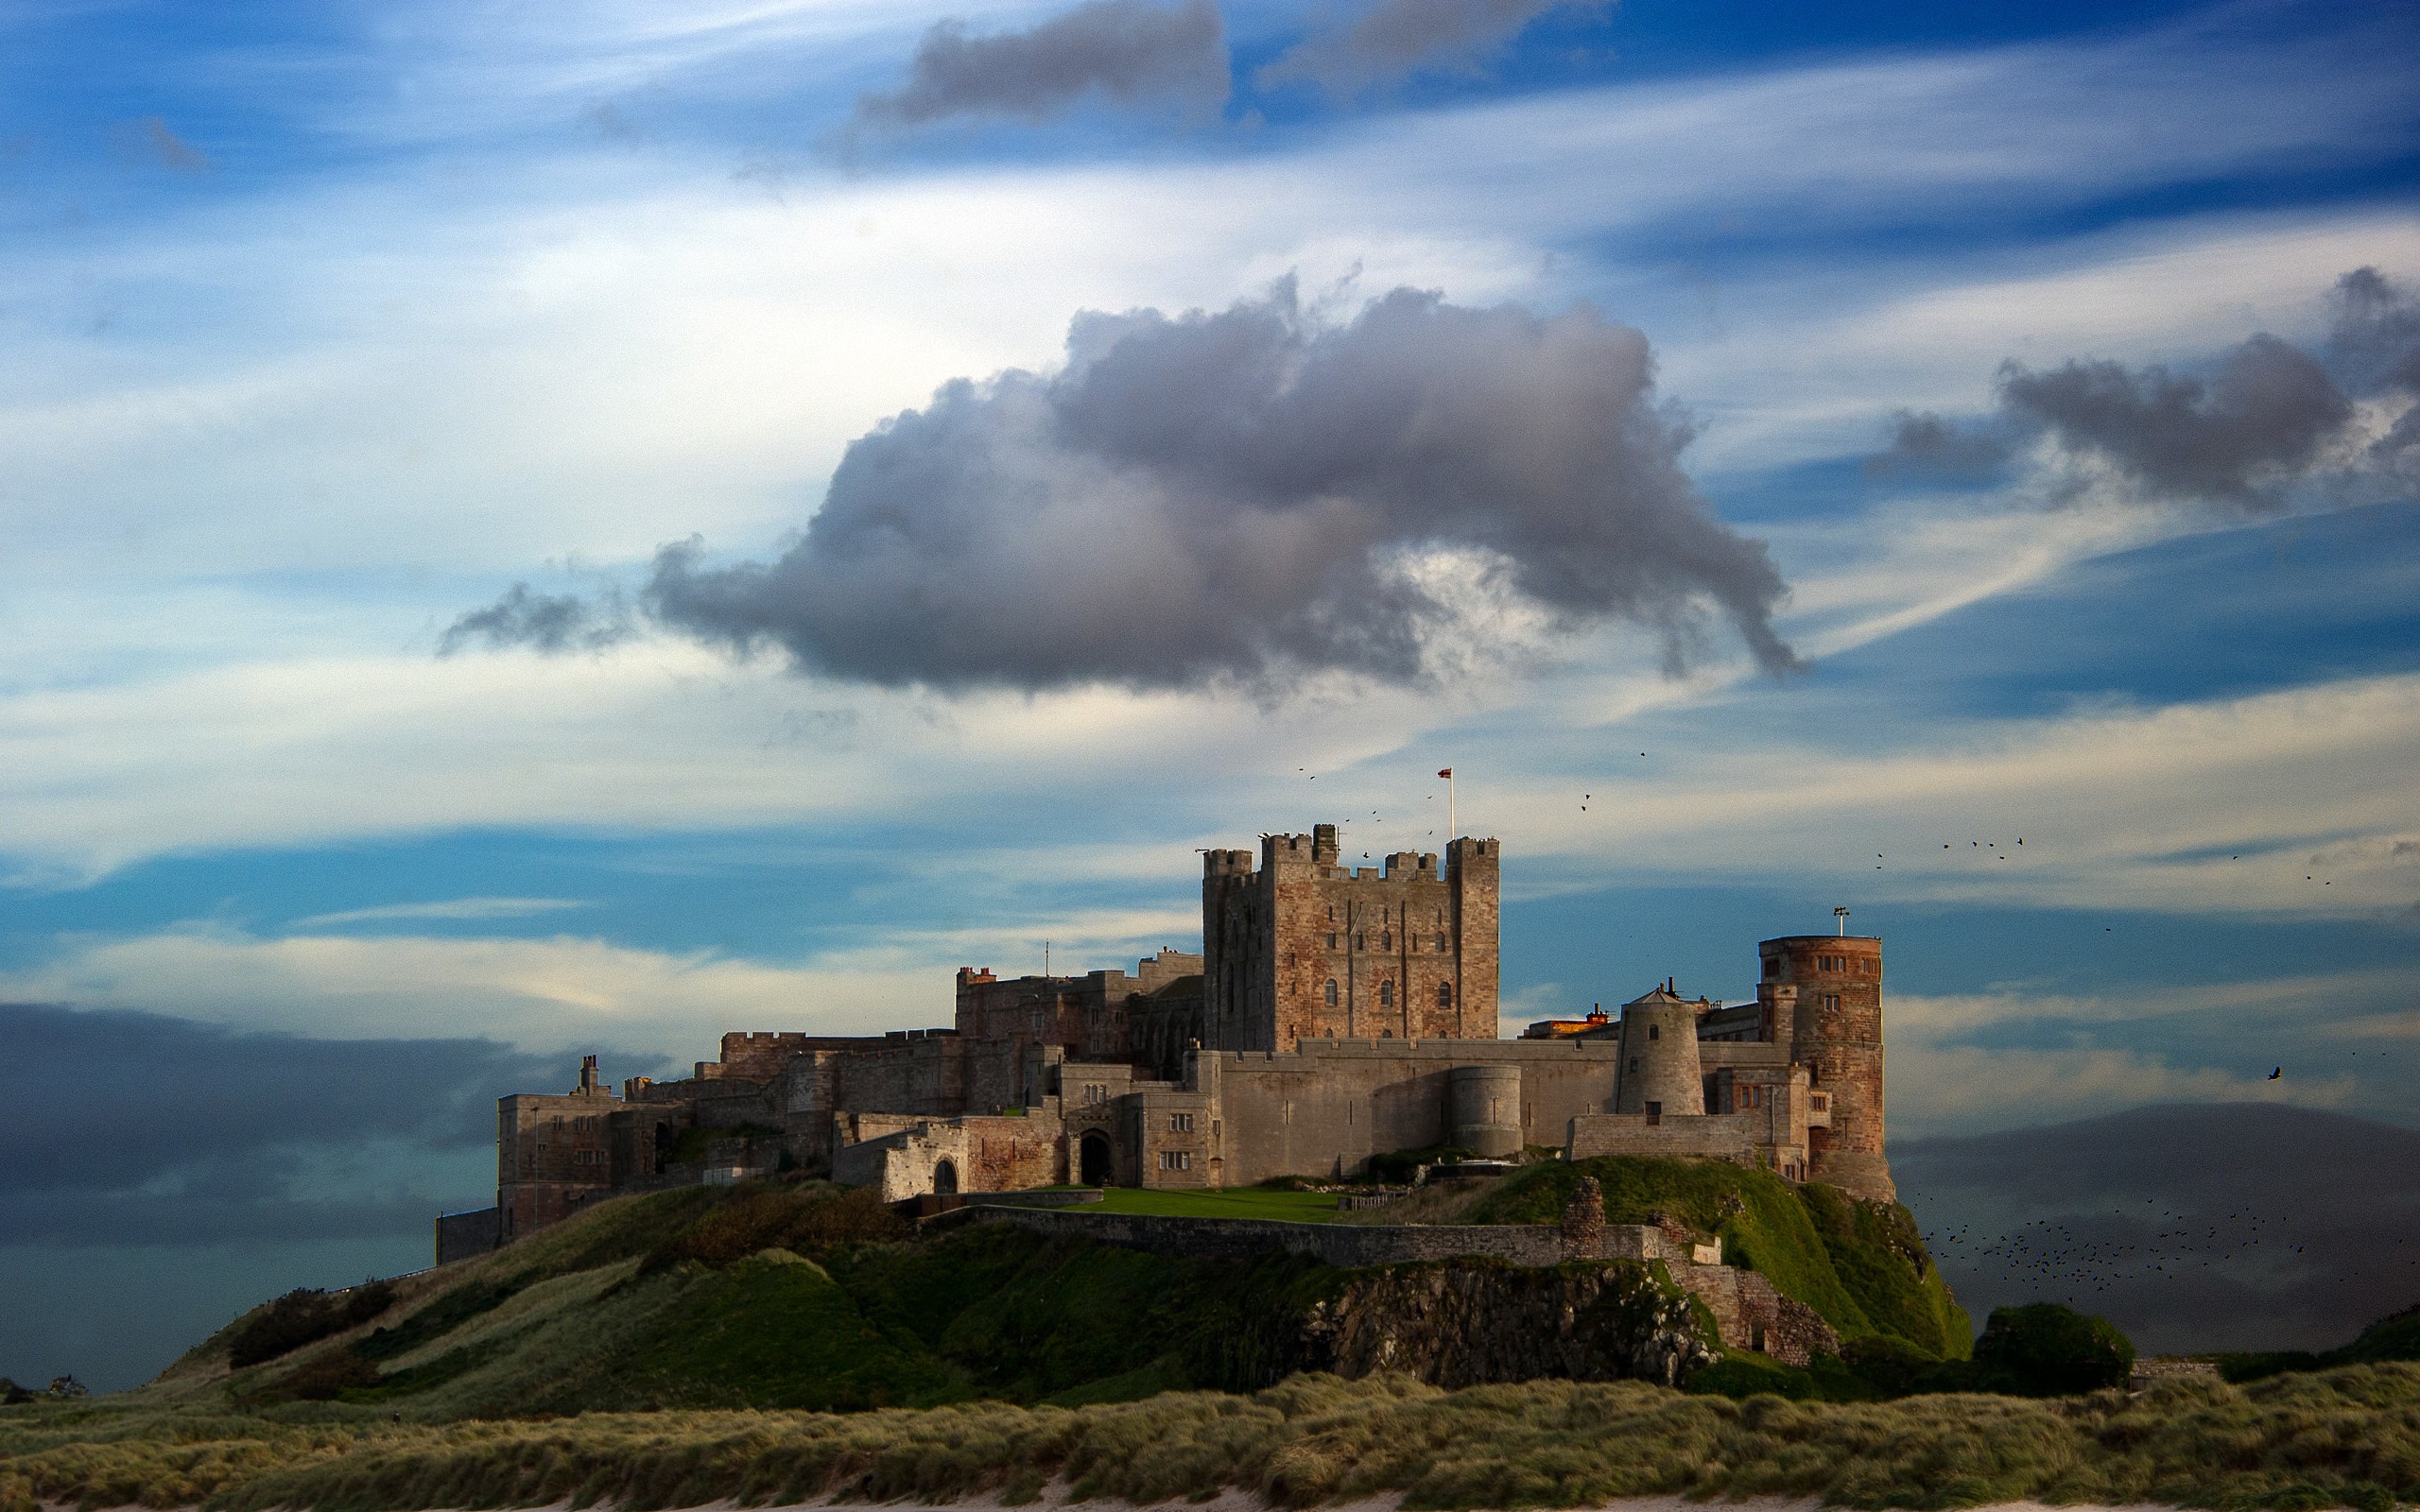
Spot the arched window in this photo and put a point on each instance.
(1331, 991)
(1445, 994)
(1386, 994)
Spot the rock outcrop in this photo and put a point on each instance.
(1467, 1322)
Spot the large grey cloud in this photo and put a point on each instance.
(2265, 417)
(1244, 495)
(141, 1128)
(2233, 1227)
(1126, 52)
(1392, 40)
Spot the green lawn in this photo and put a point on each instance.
(1240, 1202)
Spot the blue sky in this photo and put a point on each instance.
(330, 324)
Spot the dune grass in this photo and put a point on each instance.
(2346, 1437)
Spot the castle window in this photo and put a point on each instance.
(1386, 942)
(1655, 1031)
(1331, 991)
(1832, 1002)
(1633, 1062)
(1180, 1122)
(1445, 994)
(1331, 940)
(1176, 1159)
(1440, 941)
(1386, 994)
(1360, 942)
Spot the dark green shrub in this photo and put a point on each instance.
(2044, 1350)
(1891, 1367)
(304, 1317)
(1741, 1376)
(807, 1219)
(321, 1378)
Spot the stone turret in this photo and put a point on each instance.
(1836, 1031)
(1661, 1073)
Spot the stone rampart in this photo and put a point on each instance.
(1717, 1136)
(1347, 1246)
(461, 1235)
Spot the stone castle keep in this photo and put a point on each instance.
(1335, 1013)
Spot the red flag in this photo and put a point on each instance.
(1447, 773)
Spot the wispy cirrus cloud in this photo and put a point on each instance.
(452, 908)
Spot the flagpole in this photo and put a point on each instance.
(1451, 827)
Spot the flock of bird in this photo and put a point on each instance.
(2075, 1258)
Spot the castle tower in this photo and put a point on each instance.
(1836, 1031)
(1307, 948)
(1661, 1071)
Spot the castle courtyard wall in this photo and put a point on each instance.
(1322, 1111)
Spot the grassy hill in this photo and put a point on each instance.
(2393, 1337)
(792, 1294)
(992, 1361)
(1862, 1266)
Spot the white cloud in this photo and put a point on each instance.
(545, 993)
(463, 908)
(537, 994)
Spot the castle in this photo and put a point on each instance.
(1336, 1013)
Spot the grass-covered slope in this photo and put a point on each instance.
(2393, 1337)
(798, 1295)
(2350, 1438)
(1861, 1265)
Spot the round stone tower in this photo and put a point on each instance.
(1486, 1109)
(1837, 1034)
(1660, 1069)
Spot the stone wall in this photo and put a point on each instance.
(1716, 1136)
(901, 1157)
(922, 1071)
(462, 1235)
(1342, 1245)
(1326, 1108)
(1750, 1314)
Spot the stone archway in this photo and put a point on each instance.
(1093, 1161)
(946, 1177)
